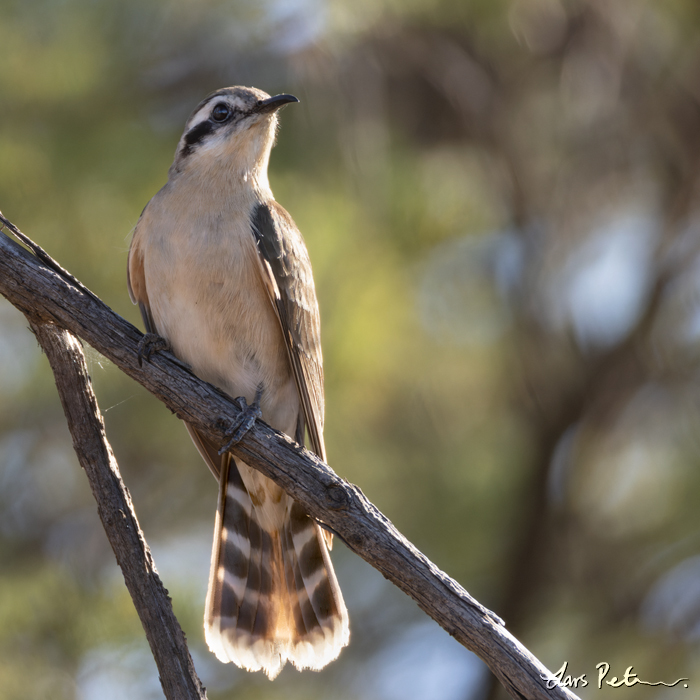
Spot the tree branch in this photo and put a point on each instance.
(49, 294)
(178, 677)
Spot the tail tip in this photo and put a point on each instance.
(271, 656)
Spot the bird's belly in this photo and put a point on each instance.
(215, 312)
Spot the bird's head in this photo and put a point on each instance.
(232, 128)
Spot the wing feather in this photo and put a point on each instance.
(286, 270)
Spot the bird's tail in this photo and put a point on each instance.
(273, 596)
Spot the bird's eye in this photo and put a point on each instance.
(221, 112)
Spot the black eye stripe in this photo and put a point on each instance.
(197, 134)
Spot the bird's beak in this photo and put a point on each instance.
(272, 104)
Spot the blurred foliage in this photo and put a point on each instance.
(501, 201)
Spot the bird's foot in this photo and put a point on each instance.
(150, 343)
(250, 413)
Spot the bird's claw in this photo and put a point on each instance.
(250, 413)
(150, 343)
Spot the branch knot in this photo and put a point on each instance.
(337, 497)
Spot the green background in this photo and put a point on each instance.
(500, 199)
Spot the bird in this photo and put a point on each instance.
(222, 277)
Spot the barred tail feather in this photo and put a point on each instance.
(273, 596)
(320, 616)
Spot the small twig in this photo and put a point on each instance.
(43, 255)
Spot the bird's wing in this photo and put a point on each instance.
(286, 270)
(136, 282)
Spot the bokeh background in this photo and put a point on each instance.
(501, 201)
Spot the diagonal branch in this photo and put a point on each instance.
(46, 294)
(178, 677)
